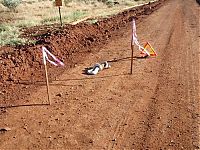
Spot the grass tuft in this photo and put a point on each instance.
(71, 17)
(9, 35)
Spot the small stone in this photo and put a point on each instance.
(10, 78)
(5, 129)
(197, 147)
(59, 95)
(25, 87)
(9, 56)
(90, 141)
(168, 126)
(172, 141)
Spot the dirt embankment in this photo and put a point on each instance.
(71, 44)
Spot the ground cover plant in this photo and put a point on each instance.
(17, 14)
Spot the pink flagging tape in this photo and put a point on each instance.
(135, 39)
(45, 54)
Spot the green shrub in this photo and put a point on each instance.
(11, 4)
(9, 35)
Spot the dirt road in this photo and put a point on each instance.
(155, 108)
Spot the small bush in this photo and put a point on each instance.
(11, 4)
(9, 35)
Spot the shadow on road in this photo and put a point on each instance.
(23, 105)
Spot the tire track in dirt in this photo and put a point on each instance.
(153, 124)
(161, 35)
(191, 26)
(121, 129)
(173, 54)
(155, 104)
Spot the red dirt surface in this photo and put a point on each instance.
(22, 66)
(157, 107)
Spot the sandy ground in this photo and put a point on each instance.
(157, 107)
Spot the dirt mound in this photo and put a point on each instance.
(21, 67)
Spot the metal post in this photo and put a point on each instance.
(132, 48)
(60, 15)
(47, 83)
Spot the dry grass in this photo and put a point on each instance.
(36, 12)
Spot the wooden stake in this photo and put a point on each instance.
(47, 83)
(132, 48)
